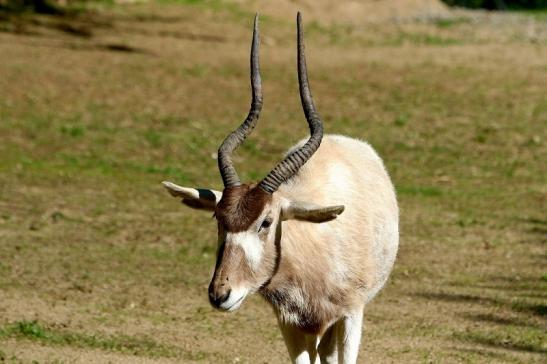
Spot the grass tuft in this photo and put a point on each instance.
(73, 131)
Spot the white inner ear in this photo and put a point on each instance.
(200, 198)
(188, 192)
(305, 211)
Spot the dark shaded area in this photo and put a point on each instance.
(73, 29)
(122, 48)
(114, 47)
(457, 297)
(484, 352)
(502, 320)
(536, 226)
(84, 24)
(528, 337)
(35, 25)
(24, 18)
(499, 4)
(522, 333)
(517, 305)
(519, 286)
(175, 34)
(29, 17)
(539, 309)
(506, 342)
(34, 6)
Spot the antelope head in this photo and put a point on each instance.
(249, 215)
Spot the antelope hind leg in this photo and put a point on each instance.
(328, 346)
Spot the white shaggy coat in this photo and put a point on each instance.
(341, 264)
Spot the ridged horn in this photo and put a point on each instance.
(289, 166)
(232, 141)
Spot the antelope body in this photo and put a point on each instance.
(317, 237)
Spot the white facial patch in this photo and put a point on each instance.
(251, 245)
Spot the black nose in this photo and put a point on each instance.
(219, 298)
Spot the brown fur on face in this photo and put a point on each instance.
(231, 267)
(240, 206)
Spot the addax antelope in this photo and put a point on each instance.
(317, 237)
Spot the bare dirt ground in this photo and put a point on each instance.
(98, 264)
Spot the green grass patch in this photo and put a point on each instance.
(73, 131)
(197, 70)
(401, 120)
(417, 38)
(217, 5)
(153, 138)
(451, 22)
(425, 191)
(33, 330)
(110, 167)
(336, 34)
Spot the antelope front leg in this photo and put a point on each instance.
(302, 347)
(349, 337)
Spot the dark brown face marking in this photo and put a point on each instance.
(240, 206)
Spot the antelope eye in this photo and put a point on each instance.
(265, 224)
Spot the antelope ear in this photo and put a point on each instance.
(197, 198)
(296, 210)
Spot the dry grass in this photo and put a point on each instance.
(98, 264)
